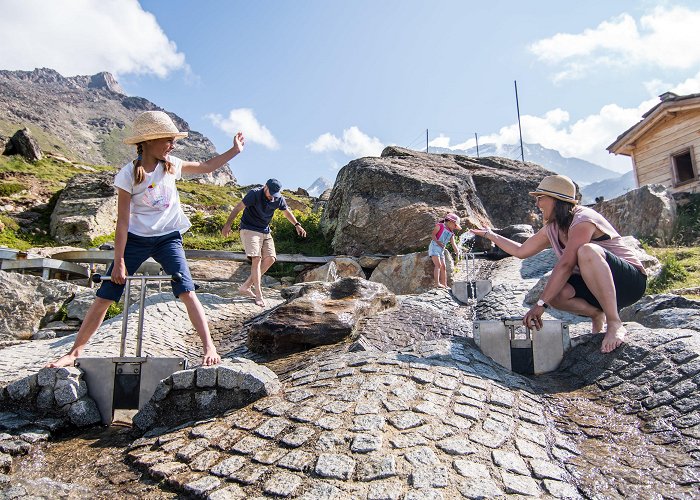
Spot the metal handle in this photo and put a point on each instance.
(97, 278)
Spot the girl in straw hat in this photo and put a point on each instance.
(596, 273)
(443, 233)
(150, 223)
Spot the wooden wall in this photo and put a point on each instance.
(653, 151)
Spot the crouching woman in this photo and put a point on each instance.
(596, 273)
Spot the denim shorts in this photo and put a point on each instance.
(630, 283)
(166, 250)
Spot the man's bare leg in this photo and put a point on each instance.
(93, 320)
(246, 287)
(598, 278)
(196, 313)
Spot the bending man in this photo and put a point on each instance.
(596, 273)
(258, 207)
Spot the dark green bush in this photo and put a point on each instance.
(10, 188)
(671, 272)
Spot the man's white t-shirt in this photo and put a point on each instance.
(155, 203)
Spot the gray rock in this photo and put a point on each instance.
(410, 273)
(23, 143)
(84, 412)
(21, 389)
(413, 190)
(340, 267)
(335, 466)
(317, 314)
(69, 391)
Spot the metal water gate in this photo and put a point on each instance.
(127, 383)
(520, 349)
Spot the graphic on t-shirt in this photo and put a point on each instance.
(156, 196)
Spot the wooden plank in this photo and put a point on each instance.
(241, 257)
(45, 264)
(107, 256)
(671, 142)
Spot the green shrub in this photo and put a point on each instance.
(10, 188)
(687, 228)
(672, 272)
(288, 241)
(114, 310)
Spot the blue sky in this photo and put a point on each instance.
(315, 84)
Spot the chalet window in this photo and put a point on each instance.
(683, 169)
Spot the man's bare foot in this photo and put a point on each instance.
(211, 358)
(614, 337)
(66, 360)
(598, 322)
(245, 290)
(260, 302)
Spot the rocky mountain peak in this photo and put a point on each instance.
(86, 117)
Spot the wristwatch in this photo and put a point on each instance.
(297, 224)
(542, 303)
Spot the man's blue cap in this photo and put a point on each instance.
(275, 188)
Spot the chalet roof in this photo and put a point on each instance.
(669, 103)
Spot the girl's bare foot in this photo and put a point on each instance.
(66, 360)
(614, 337)
(210, 358)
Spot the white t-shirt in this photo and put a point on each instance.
(155, 203)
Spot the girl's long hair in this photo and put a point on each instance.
(139, 171)
(563, 214)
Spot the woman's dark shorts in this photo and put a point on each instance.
(166, 250)
(630, 283)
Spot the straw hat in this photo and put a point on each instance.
(153, 125)
(557, 186)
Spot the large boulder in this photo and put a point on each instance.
(340, 267)
(23, 143)
(317, 313)
(390, 204)
(410, 273)
(86, 209)
(664, 311)
(28, 302)
(630, 213)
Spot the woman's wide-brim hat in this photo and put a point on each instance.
(557, 186)
(153, 125)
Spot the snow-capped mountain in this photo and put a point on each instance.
(319, 186)
(581, 171)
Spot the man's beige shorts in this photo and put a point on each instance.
(258, 244)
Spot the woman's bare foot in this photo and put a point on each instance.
(598, 322)
(65, 360)
(614, 337)
(245, 290)
(211, 358)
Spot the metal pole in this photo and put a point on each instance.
(142, 300)
(520, 130)
(426, 141)
(125, 317)
(477, 144)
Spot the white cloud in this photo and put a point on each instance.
(243, 120)
(667, 38)
(83, 37)
(586, 138)
(354, 143)
(440, 141)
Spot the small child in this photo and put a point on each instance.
(444, 231)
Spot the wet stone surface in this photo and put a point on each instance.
(416, 411)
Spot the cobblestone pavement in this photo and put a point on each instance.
(419, 413)
(434, 421)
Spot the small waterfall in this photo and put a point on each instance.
(332, 274)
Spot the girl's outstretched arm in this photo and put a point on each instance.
(206, 167)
